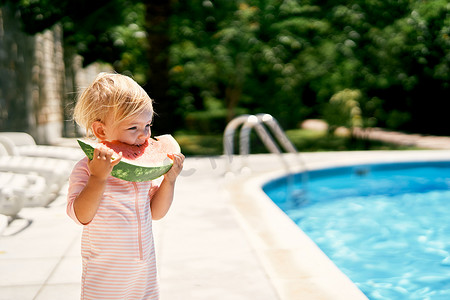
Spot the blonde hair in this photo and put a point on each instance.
(113, 95)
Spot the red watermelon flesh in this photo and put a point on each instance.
(152, 153)
(131, 152)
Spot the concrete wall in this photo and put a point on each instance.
(38, 81)
(32, 79)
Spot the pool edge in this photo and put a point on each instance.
(294, 264)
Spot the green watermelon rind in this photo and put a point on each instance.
(128, 171)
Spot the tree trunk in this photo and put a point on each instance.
(157, 26)
(232, 97)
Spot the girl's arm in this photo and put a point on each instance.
(88, 201)
(162, 200)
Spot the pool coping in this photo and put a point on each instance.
(294, 263)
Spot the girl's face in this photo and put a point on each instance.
(133, 130)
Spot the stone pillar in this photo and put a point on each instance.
(77, 79)
(31, 79)
(48, 85)
(38, 83)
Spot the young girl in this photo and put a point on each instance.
(117, 243)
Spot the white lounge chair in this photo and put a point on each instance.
(31, 191)
(55, 171)
(4, 220)
(11, 202)
(25, 145)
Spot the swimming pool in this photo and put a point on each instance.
(386, 226)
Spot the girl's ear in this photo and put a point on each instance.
(98, 128)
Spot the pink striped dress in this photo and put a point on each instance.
(117, 245)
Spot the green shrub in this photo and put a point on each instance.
(344, 110)
(206, 122)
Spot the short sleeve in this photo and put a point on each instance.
(77, 181)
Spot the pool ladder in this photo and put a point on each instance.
(257, 122)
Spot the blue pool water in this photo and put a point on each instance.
(386, 226)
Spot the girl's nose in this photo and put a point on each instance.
(145, 134)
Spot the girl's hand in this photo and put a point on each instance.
(102, 163)
(178, 159)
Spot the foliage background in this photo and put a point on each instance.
(205, 61)
(289, 58)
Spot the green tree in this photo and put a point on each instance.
(415, 76)
(289, 57)
(232, 52)
(157, 27)
(83, 32)
(132, 35)
(284, 57)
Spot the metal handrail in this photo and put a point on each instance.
(278, 132)
(244, 136)
(249, 122)
(256, 122)
(228, 134)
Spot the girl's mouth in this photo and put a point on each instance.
(142, 144)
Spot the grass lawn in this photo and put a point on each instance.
(305, 140)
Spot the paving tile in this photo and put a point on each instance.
(33, 247)
(217, 289)
(59, 291)
(19, 292)
(68, 271)
(30, 271)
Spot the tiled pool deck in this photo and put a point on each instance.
(222, 239)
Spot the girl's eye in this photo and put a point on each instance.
(132, 128)
(148, 125)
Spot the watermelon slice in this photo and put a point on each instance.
(139, 163)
